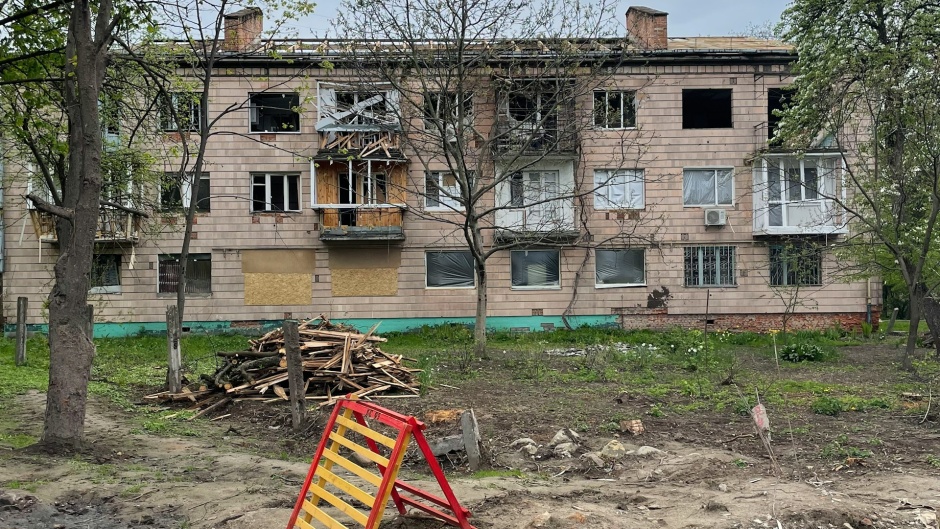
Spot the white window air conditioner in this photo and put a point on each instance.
(715, 217)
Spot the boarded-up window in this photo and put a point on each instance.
(198, 274)
(280, 277)
(706, 108)
(622, 267)
(449, 270)
(535, 268)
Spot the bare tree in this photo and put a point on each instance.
(490, 100)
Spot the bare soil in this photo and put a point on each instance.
(245, 470)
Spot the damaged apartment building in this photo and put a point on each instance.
(653, 198)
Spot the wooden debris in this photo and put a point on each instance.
(336, 359)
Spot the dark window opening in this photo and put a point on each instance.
(706, 108)
(171, 194)
(516, 190)
(275, 192)
(274, 112)
(777, 100)
(105, 271)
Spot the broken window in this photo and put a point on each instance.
(535, 268)
(449, 269)
(614, 109)
(777, 100)
(795, 264)
(709, 266)
(198, 274)
(442, 191)
(275, 192)
(105, 275)
(706, 108)
(176, 195)
(707, 187)
(617, 268)
(619, 189)
(274, 112)
(376, 188)
(447, 109)
(187, 112)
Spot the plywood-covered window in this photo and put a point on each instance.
(449, 269)
(198, 274)
(275, 192)
(535, 269)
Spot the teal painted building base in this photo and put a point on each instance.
(386, 325)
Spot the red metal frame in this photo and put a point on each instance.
(453, 513)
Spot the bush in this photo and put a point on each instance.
(826, 405)
(802, 352)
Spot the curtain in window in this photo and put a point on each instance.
(535, 268)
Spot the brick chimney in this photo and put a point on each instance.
(647, 27)
(243, 29)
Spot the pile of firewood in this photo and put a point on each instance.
(337, 360)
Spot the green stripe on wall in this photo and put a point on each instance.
(387, 325)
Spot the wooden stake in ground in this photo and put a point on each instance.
(295, 374)
(21, 304)
(173, 377)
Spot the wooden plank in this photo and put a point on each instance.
(324, 518)
(345, 486)
(367, 432)
(372, 478)
(361, 450)
(337, 502)
(303, 524)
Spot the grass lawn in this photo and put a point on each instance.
(904, 326)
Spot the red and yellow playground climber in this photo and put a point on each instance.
(349, 418)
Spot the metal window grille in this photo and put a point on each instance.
(709, 266)
(198, 274)
(799, 265)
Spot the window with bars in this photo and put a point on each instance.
(614, 109)
(709, 266)
(198, 274)
(795, 265)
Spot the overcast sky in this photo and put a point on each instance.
(687, 18)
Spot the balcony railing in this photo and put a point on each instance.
(362, 222)
(533, 138)
(549, 222)
(806, 217)
(114, 225)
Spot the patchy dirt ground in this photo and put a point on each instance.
(244, 471)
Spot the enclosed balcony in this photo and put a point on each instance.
(537, 205)
(799, 196)
(360, 200)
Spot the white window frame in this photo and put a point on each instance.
(426, 268)
(194, 107)
(606, 180)
(267, 192)
(623, 98)
(709, 204)
(534, 287)
(619, 285)
(446, 203)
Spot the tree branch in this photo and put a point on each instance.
(122, 207)
(42, 205)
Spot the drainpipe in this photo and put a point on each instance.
(868, 301)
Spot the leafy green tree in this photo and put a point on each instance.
(867, 80)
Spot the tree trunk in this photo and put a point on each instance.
(932, 315)
(71, 348)
(917, 304)
(479, 329)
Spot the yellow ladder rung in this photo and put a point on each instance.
(345, 486)
(303, 524)
(323, 518)
(361, 450)
(330, 498)
(366, 431)
(373, 479)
